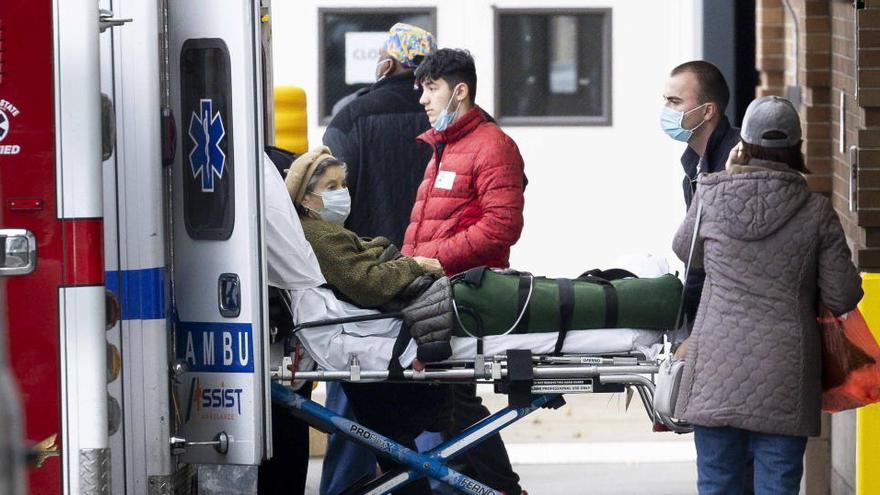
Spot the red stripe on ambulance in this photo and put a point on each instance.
(83, 251)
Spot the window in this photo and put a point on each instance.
(350, 45)
(553, 67)
(206, 139)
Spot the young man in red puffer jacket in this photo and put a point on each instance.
(468, 212)
(468, 209)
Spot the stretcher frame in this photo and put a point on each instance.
(571, 373)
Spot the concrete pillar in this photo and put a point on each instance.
(843, 453)
(817, 462)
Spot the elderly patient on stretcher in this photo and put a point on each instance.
(623, 315)
(369, 273)
(361, 274)
(349, 277)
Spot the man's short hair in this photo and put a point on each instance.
(454, 66)
(712, 86)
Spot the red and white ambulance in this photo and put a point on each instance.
(132, 277)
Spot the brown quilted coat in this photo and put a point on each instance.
(771, 250)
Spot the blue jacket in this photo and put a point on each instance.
(722, 140)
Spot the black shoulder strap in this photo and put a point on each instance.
(566, 311)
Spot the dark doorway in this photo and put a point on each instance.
(729, 43)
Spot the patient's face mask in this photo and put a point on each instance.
(337, 205)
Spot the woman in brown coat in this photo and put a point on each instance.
(772, 251)
(368, 272)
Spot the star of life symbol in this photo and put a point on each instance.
(4, 125)
(206, 158)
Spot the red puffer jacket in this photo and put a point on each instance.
(468, 210)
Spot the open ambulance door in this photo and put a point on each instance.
(218, 281)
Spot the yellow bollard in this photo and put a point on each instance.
(868, 418)
(291, 125)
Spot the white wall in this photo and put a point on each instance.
(594, 192)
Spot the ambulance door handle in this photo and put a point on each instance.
(106, 20)
(229, 295)
(220, 443)
(18, 252)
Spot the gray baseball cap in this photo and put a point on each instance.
(771, 122)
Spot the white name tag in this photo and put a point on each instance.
(445, 179)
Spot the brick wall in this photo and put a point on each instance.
(837, 67)
(867, 81)
(771, 47)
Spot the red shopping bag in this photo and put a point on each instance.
(850, 361)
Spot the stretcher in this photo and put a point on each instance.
(623, 361)
(524, 367)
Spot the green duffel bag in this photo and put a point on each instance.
(490, 302)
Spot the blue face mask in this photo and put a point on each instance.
(670, 122)
(445, 118)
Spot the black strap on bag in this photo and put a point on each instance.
(609, 274)
(566, 311)
(611, 306)
(604, 277)
(472, 277)
(522, 306)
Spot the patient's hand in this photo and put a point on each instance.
(430, 265)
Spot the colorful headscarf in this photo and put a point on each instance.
(409, 44)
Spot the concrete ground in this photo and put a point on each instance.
(592, 445)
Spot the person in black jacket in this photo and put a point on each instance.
(696, 96)
(375, 135)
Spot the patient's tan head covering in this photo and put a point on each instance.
(301, 170)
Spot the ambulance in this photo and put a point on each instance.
(133, 301)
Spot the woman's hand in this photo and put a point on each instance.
(682, 350)
(430, 265)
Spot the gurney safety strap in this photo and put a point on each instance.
(395, 370)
